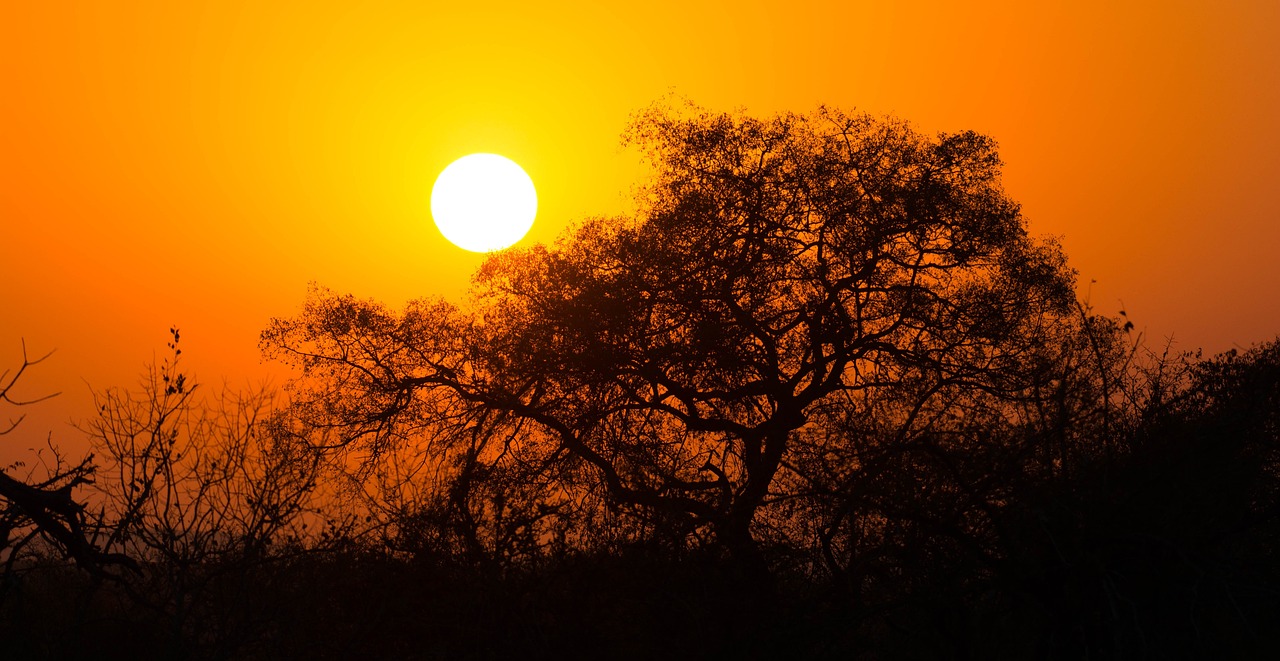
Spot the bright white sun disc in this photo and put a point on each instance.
(483, 202)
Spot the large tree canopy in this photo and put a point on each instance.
(819, 395)
(674, 361)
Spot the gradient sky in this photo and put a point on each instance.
(198, 163)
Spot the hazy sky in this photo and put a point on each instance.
(198, 163)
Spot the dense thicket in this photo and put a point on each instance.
(822, 396)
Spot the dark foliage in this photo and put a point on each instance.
(822, 398)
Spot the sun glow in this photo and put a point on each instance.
(483, 202)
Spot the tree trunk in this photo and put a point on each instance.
(748, 565)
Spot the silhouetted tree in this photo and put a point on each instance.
(40, 506)
(675, 361)
(820, 397)
(206, 494)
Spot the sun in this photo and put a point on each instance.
(483, 202)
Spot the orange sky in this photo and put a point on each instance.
(198, 163)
